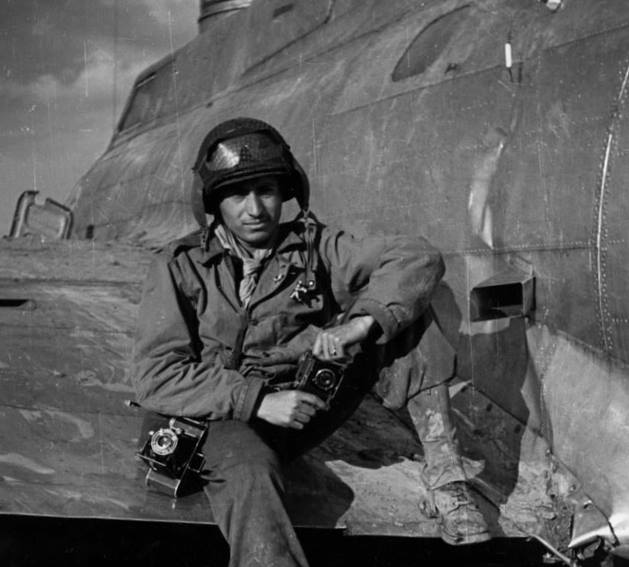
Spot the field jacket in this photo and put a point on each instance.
(200, 353)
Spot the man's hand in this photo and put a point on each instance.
(289, 408)
(330, 343)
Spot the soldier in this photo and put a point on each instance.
(228, 312)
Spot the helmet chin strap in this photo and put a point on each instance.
(309, 221)
(305, 289)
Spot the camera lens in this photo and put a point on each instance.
(164, 442)
(324, 379)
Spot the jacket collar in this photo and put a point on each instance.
(289, 238)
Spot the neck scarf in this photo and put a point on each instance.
(251, 261)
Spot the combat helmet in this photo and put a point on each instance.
(243, 148)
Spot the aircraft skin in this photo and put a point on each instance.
(409, 117)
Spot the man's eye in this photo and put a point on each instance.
(235, 194)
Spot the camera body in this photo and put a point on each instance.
(173, 455)
(319, 377)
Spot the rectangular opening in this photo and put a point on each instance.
(15, 303)
(502, 296)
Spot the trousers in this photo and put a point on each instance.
(245, 483)
(246, 492)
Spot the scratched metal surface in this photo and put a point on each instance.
(517, 162)
(68, 439)
(524, 171)
(504, 172)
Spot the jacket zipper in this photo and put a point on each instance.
(245, 315)
(236, 356)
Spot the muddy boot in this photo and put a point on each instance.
(449, 499)
(460, 519)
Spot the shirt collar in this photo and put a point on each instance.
(289, 238)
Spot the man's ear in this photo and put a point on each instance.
(213, 217)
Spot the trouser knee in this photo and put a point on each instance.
(248, 477)
(236, 450)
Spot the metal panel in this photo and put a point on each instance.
(279, 23)
(68, 438)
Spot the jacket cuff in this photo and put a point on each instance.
(248, 399)
(383, 316)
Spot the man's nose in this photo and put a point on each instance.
(254, 205)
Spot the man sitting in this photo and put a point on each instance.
(227, 313)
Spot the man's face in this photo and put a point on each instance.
(251, 209)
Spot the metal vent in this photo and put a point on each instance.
(510, 294)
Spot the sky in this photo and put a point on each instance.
(66, 69)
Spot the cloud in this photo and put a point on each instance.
(102, 77)
(51, 37)
(76, 56)
(66, 68)
(13, 89)
(101, 74)
(169, 12)
(174, 18)
(43, 26)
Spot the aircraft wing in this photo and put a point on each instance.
(68, 438)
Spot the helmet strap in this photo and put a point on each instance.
(310, 235)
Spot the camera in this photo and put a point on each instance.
(319, 377)
(173, 455)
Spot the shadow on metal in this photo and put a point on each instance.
(121, 543)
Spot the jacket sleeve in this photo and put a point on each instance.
(169, 374)
(391, 278)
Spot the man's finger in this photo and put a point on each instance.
(339, 350)
(325, 347)
(312, 400)
(307, 409)
(302, 417)
(330, 346)
(316, 349)
(335, 345)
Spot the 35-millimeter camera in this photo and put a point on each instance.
(173, 455)
(319, 377)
